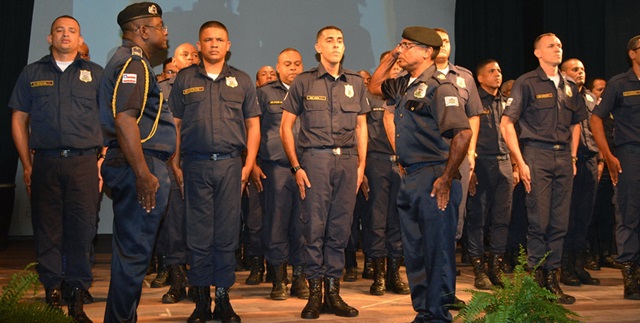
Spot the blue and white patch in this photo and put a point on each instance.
(451, 101)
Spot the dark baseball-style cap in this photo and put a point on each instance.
(422, 35)
(138, 11)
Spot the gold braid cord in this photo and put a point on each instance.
(144, 101)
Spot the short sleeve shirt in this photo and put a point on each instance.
(621, 98)
(270, 97)
(463, 80)
(490, 140)
(327, 107)
(63, 106)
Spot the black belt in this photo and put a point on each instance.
(337, 151)
(214, 156)
(64, 153)
(414, 167)
(382, 156)
(496, 157)
(157, 154)
(586, 155)
(547, 145)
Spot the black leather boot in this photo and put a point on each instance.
(53, 297)
(333, 303)
(162, 278)
(314, 304)
(178, 289)
(257, 271)
(582, 274)
(153, 265)
(202, 313)
(76, 306)
(269, 274)
(223, 310)
(495, 267)
(481, 280)
(393, 281)
(299, 286)
(567, 266)
(279, 290)
(508, 262)
(551, 283)
(351, 267)
(378, 287)
(631, 285)
(367, 271)
(592, 260)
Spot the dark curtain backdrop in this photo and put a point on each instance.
(594, 31)
(14, 51)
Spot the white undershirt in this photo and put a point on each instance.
(286, 86)
(555, 79)
(213, 76)
(63, 65)
(411, 79)
(444, 70)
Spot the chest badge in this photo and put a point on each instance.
(567, 91)
(461, 83)
(348, 90)
(231, 81)
(421, 91)
(85, 76)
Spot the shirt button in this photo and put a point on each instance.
(412, 108)
(401, 114)
(398, 135)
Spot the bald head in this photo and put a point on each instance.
(185, 55)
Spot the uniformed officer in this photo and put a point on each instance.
(621, 98)
(380, 224)
(585, 183)
(281, 202)
(141, 136)
(463, 80)
(331, 104)
(548, 109)
(265, 74)
(491, 184)
(217, 117)
(57, 136)
(432, 137)
(171, 245)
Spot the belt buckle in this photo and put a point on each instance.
(64, 153)
(337, 151)
(213, 157)
(557, 147)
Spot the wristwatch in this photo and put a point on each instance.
(295, 169)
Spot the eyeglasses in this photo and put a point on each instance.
(405, 45)
(161, 28)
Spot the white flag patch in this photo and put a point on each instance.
(130, 78)
(451, 101)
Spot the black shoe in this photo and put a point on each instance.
(393, 281)
(223, 310)
(299, 286)
(495, 267)
(314, 303)
(457, 304)
(279, 290)
(350, 274)
(607, 261)
(76, 306)
(591, 261)
(631, 285)
(378, 288)
(53, 297)
(162, 278)
(551, 283)
(333, 303)
(178, 289)
(582, 274)
(153, 265)
(481, 280)
(367, 271)
(202, 313)
(567, 266)
(257, 271)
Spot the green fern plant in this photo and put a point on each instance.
(15, 308)
(520, 300)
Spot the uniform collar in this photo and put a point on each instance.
(425, 76)
(632, 75)
(226, 70)
(543, 75)
(322, 72)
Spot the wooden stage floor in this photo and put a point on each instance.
(602, 303)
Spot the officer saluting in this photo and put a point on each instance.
(141, 137)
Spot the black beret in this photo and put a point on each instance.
(138, 11)
(422, 35)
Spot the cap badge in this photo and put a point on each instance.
(153, 9)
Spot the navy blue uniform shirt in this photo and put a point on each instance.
(490, 140)
(426, 115)
(587, 143)
(621, 98)
(213, 112)
(63, 106)
(270, 97)
(327, 107)
(543, 112)
(463, 80)
(378, 141)
(133, 81)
